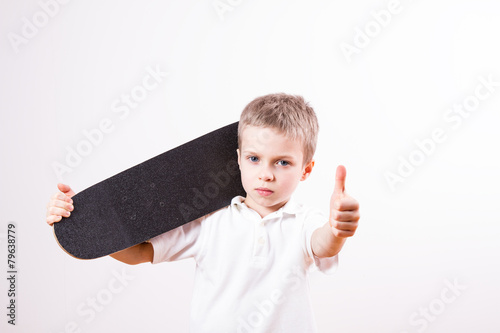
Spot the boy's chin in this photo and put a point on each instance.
(269, 202)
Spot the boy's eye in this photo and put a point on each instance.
(283, 163)
(253, 158)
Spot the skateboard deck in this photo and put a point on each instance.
(153, 197)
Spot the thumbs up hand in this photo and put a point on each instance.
(344, 209)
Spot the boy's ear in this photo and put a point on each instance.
(307, 170)
(239, 156)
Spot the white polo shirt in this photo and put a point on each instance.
(251, 272)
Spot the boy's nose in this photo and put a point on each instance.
(266, 174)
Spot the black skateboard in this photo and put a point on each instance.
(153, 197)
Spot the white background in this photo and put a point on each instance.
(440, 223)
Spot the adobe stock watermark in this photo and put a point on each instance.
(211, 190)
(420, 319)
(264, 308)
(371, 29)
(30, 27)
(222, 7)
(93, 305)
(121, 106)
(453, 118)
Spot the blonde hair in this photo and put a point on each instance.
(289, 114)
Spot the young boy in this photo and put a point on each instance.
(253, 256)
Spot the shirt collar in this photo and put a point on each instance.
(291, 207)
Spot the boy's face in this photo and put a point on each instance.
(271, 168)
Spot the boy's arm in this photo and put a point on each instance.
(328, 240)
(136, 254)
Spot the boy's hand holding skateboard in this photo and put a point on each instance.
(60, 204)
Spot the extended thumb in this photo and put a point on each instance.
(340, 179)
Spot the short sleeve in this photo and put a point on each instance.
(179, 243)
(313, 220)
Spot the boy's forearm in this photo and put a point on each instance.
(136, 254)
(324, 243)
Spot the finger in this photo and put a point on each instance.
(61, 204)
(65, 189)
(57, 203)
(342, 233)
(58, 212)
(61, 196)
(340, 175)
(346, 203)
(344, 226)
(51, 219)
(349, 216)
(344, 229)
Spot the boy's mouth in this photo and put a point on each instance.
(263, 191)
